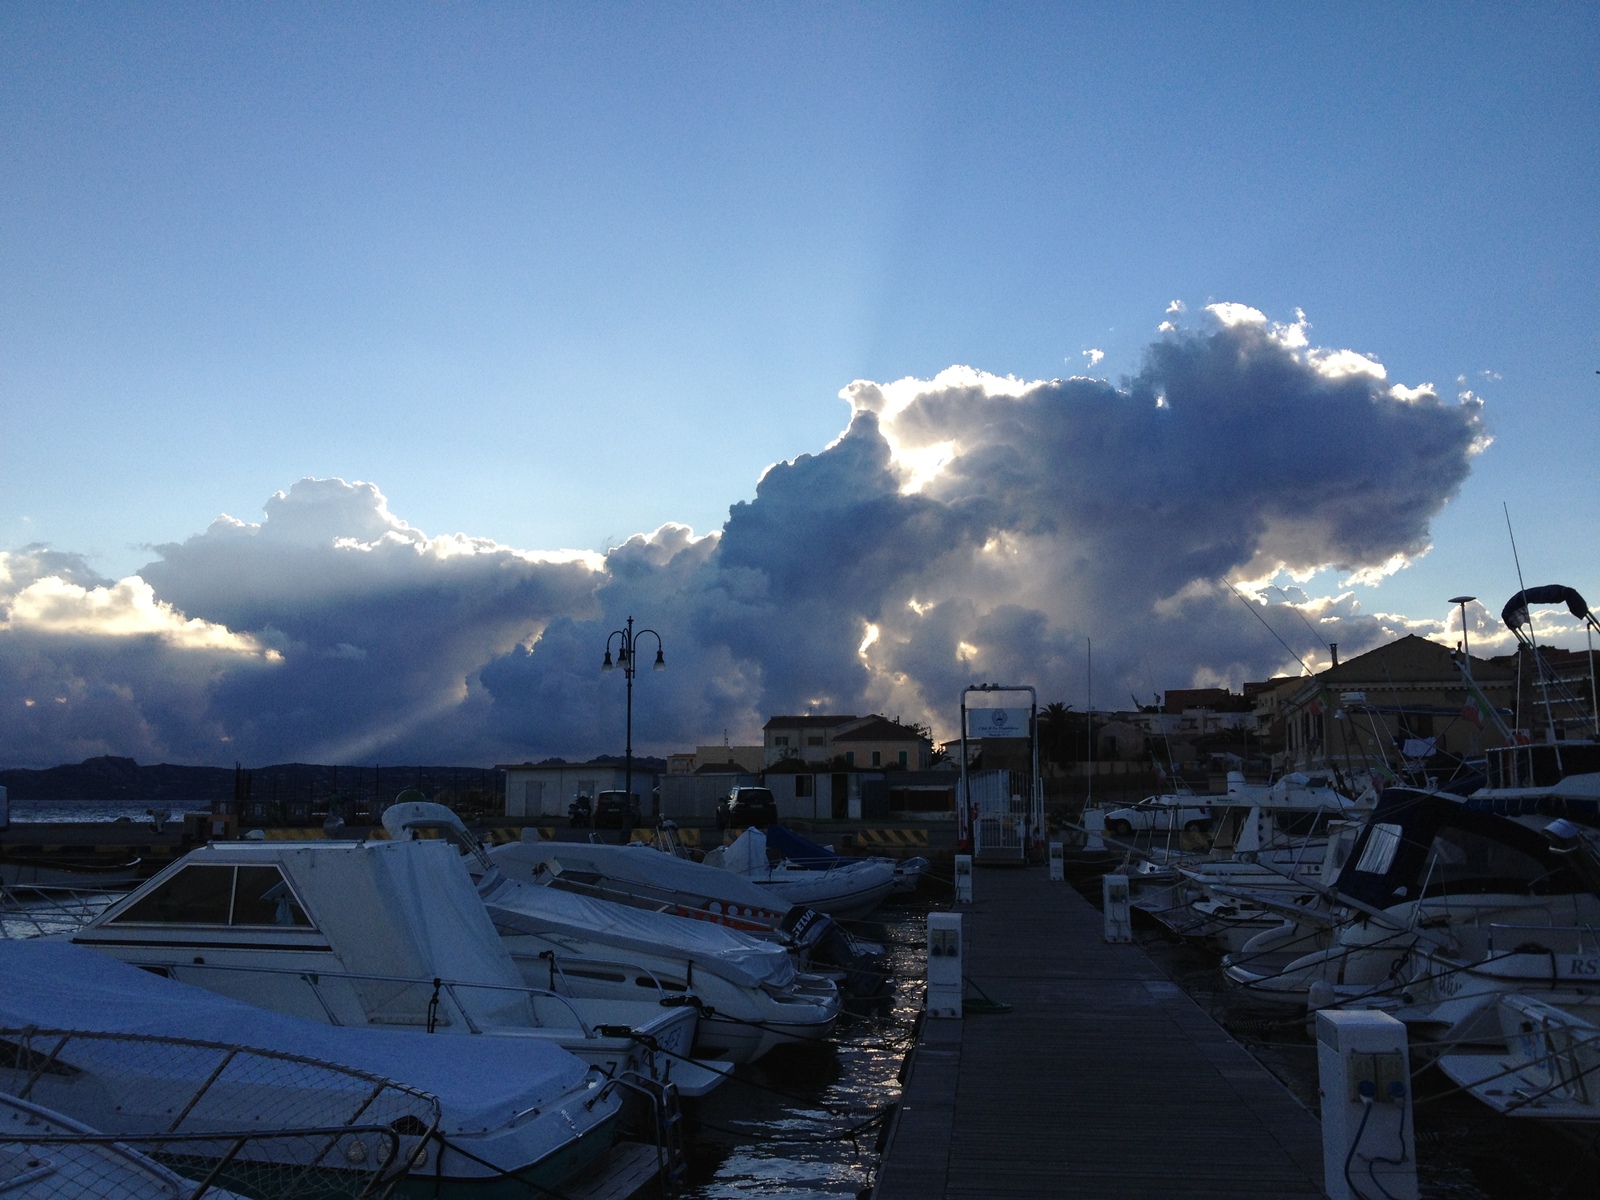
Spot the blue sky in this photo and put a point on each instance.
(555, 275)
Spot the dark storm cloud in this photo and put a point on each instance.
(963, 528)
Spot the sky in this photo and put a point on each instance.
(361, 367)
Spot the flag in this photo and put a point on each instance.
(1477, 709)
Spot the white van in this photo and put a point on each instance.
(1160, 814)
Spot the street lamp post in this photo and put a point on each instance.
(1463, 601)
(625, 659)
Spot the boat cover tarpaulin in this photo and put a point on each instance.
(536, 909)
(799, 851)
(635, 864)
(1515, 613)
(481, 1083)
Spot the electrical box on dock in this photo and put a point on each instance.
(1363, 1072)
(963, 879)
(1057, 873)
(944, 965)
(1118, 908)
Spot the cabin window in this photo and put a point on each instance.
(877, 758)
(802, 785)
(1460, 860)
(1382, 843)
(262, 897)
(903, 757)
(214, 895)
(194, 896)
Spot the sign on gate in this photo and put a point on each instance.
(997, 722)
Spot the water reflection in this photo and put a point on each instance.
(807, 1119)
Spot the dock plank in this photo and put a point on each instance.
(1105, 1080)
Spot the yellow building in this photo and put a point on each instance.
(1403, 703)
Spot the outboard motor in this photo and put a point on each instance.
(862, 963)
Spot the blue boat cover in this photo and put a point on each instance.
(1515, 613)
(799, 851)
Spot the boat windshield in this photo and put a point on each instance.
(1463, 861)
(208, 894)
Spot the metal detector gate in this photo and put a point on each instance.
(1000, 813)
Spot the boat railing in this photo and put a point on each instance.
(36, 910)
(229, 1154)
(439, 985)
(269, 1122)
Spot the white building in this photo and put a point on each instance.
(546, 789)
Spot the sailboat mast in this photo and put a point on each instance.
(1533, 640)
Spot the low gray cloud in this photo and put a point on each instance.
(968, 527)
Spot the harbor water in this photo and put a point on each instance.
(805, 1121)
(135, 811)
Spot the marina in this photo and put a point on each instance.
(1300, 985)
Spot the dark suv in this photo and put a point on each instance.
(747, 806)
(613, 810)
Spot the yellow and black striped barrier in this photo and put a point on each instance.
(894, 838)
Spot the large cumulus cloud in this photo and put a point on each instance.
(965, 527)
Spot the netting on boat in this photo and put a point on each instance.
(259, 1124)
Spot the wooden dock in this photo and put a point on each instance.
(1104, 1080)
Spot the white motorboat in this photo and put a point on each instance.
(849, 890)
(47, 1154)
(1527, 1056)
(287, 1107)
(748, 991)
(1269, 843)
(796, 851)
(389, 934)
(1444, 904)
(642, 877)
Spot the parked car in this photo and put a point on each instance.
(1160, 814)
(616, 810)
(747, 806)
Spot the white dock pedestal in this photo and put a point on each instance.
(963, 879)
(944, 965)
(1364, 1075)
(1118, 908)
(1057, 873)
(1094, 827)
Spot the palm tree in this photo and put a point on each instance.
(1053, 737)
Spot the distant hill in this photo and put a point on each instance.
(111, 778)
